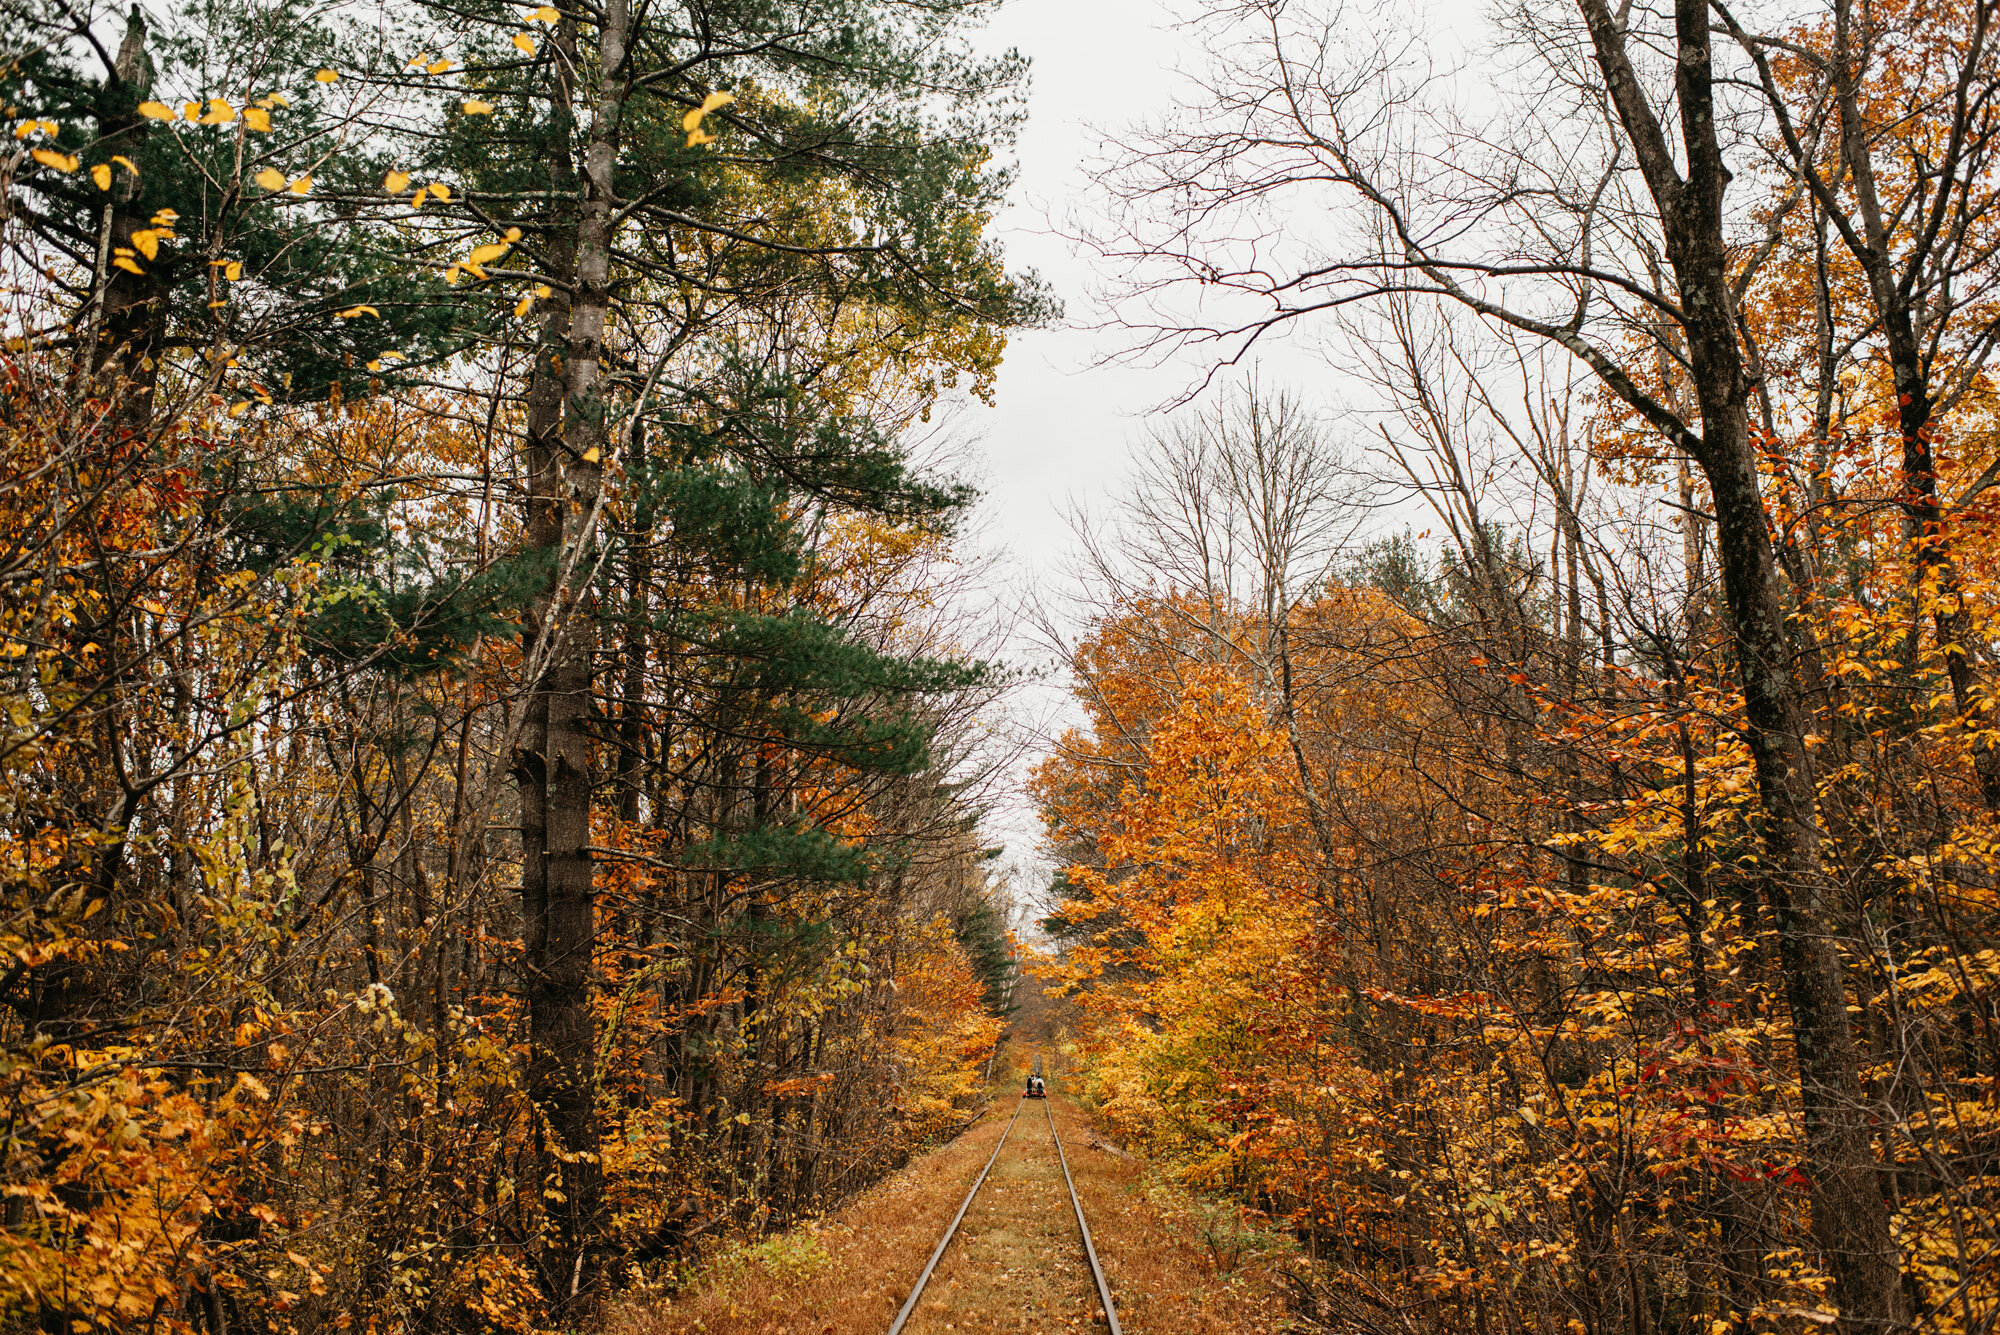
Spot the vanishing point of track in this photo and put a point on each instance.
(951, 1230)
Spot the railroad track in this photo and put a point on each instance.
(1075, 1202)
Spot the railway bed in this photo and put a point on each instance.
(1102, 1289)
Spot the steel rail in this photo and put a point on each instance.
(1076, 1203)
(910, 1303)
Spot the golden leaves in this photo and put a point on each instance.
(525, 304)
(692, 121)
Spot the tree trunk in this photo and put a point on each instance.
(1850, 1219)
(128, 316)
(1934, 575)
(554, 763)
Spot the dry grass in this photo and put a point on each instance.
(1017, 1265)
(1163, 1274)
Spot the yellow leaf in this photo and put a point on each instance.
(353, 311)
(475, 107)
(24, 129)
(513, 235)
(325, 76)
(396, 182)
(699, 137)
(437, 67)
(708, 104)
(158, 111)
(441, 190)
(546, 14)
(126, 263)
(190, 111)
(375, 365)
(233, 270)
(219, 113)
(488, 253)
(525, 42)
(281, 100)
(48, 157)
(523, 306)
(237, 410)
(124, 162)
(271, 179)
(303, 184)
(166, 218)
(451, 276)
(473, 268)
(101, 174)
(147, 243)
(257, 119)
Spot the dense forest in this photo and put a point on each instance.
(490, 772)
(498, 752)
(1577, 912)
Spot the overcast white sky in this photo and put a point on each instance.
(1062, 428)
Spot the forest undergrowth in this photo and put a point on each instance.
(492, 755)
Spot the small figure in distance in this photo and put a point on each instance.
(1036, 1089)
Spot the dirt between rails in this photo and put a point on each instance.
(1016, 1266)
